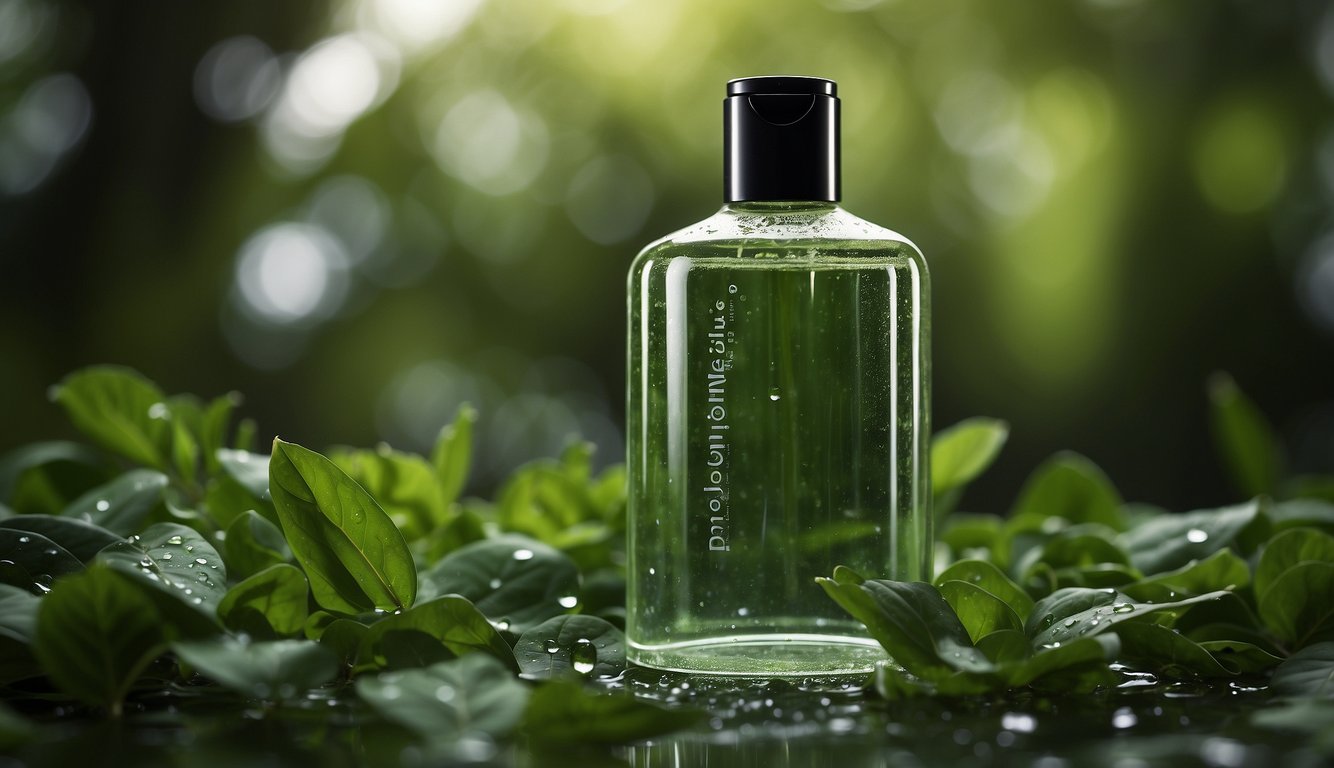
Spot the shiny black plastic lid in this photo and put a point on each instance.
(780, 139)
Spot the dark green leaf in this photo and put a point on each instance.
(1153, 648)
(275, 670)
(1071, 487)
(355, 558)
(1297, 607)
(121, 505)
(272, 603)
(1005, 646)
(1057, 659)
(95, 634)
(120, 410)
(18, 613)
(1313, 513)
(1287, 549)
(344, 637)
(980, 611)
(451, 620)
(43, 478)
(453, 453)
(251, 470)
(1221, 570)
(1172, 541)
(181, 570)
(562, 712)
(582, 645)
(1069, 614)
(83, 540)
(1308, 673)
(1244, 438)
(253, 544)
(405, 485)
(911, 621)
(14, 728)
(516, 581)
(213, 429)
(471, 695)
(1239, 657)
(40, 558)
(962, 452)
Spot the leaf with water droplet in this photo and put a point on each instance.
(987, 576)
(34, 555)
(564, 712)
(141, 559)
(1165, 542)
(355, 558)
(487, 698)
(95, 633)
(404, 484)
(1221, 570)
(1084, 605)
(277, 669)
(269, 604)
(980, 611)
(81, 539)
(122, 505)
(531, 585)
(452, 621)
(114, 406)
(581, 644)
(249, 470)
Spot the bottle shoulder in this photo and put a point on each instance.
(797, 230)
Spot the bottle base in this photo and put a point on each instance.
(774, 655)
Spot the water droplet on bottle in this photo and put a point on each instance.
(523, 554)
(1197, 536)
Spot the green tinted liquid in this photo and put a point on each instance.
(777, 427)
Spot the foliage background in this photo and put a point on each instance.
(362, 213)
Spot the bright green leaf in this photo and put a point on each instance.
(120, 410)
(962, 452)
(980, 611)
(405, 486)
(1071, 487)
(452, 621)
(355, 558)
(453, 453)
(271, 603)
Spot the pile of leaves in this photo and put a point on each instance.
(170, 553)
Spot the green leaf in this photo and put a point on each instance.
(80, 539)
(516, 581)
(980, 611)
(1287, 549)
(1071, 487)
(180, 569)
(251, 470)
(1308, 673)
(1221, 570)
(563, 712)
(1153, 648)
(1072, 613)
(911, 621)
(1244, 438)
(962, 452)
(274, 670)
(963, 532)
(355, 558)
(95, 634)
(1082, 551)
(272, 603)
(404, 484)
(1297, 606)
(14, 728)
(18, 613)
(184, 450)
(1005, 646)
(564, 645)
(1058, 660)
(453, 453)
(344, 637)
(253, 544)
(120, 410)
(1172, 541)
(1240, 658)
(471, 695)
(43, 478)
(42, 559)
(452, 621)
(1295, 513)
(122, 505)
(213, 429)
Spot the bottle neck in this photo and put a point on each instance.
(773, 207)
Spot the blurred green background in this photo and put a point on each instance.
(362, 213)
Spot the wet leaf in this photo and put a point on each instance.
(562, 712)
(36, 557)
(1090, 654)
(471, 695)
(355, 558)
(1221, 570)
(405, 486)
(980, 611)
(275, 670)
(1072, 613)
(122, 505)
(80, 539)
(514, 580)
(451, 621)
(1239, 657)
(1152, 648)
(120, 410)
(95, 634)
(181, 570)
(571, 645)
(253, 544)
(1172, 541)
(269, 604)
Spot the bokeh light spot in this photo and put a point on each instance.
(485, 142)
(50, 119)
(291, 272)
(236, 79)
(1240, 159)
(609, 199)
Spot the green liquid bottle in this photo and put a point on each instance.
(778, 408)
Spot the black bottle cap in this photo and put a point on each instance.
(780, 139)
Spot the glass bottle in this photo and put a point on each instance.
(778, 411)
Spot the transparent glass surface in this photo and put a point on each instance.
(778, 426)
